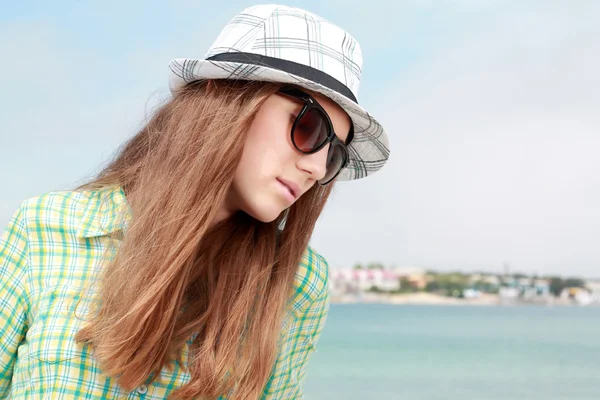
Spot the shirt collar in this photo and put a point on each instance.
(106, 212)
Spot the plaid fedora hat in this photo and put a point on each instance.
(277, 43)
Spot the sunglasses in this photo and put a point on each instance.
(312, 130)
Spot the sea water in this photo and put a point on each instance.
(377, 351)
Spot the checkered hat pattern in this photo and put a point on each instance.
(284, 44)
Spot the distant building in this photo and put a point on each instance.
(415, 276)
(594, 288)
(346, 280)
(507, 293)
(491, 279)
(527, 289)
(582, 296)
(538, 288)
(471, 293)
(485, 282)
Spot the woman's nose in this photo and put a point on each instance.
(315, 164)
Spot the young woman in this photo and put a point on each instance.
(183, 270)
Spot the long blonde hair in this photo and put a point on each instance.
(175, 275)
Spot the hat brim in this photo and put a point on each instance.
(369, 149)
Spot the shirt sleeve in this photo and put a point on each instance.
(301, 337)
(13, 303)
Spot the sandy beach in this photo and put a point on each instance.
(430, 298)
(421, 298)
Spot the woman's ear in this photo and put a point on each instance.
(210, 86)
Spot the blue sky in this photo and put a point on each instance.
(491, 107)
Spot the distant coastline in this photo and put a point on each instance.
(414, 285)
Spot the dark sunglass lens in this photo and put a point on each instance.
(335, 162)
(311, 130)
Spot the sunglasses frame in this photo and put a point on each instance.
(309, 103)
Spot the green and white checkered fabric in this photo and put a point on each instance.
(49, 254)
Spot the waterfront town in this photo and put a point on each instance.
(375, 283)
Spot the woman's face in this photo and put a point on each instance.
(269, 158)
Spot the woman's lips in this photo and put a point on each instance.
(291, 188)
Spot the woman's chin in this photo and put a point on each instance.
(265, 215)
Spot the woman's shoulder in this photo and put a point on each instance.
(314, 267)
(312, 279)
(56, 206)
(50, 208)
(63, 209)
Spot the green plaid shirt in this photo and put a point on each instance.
(51, 250)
